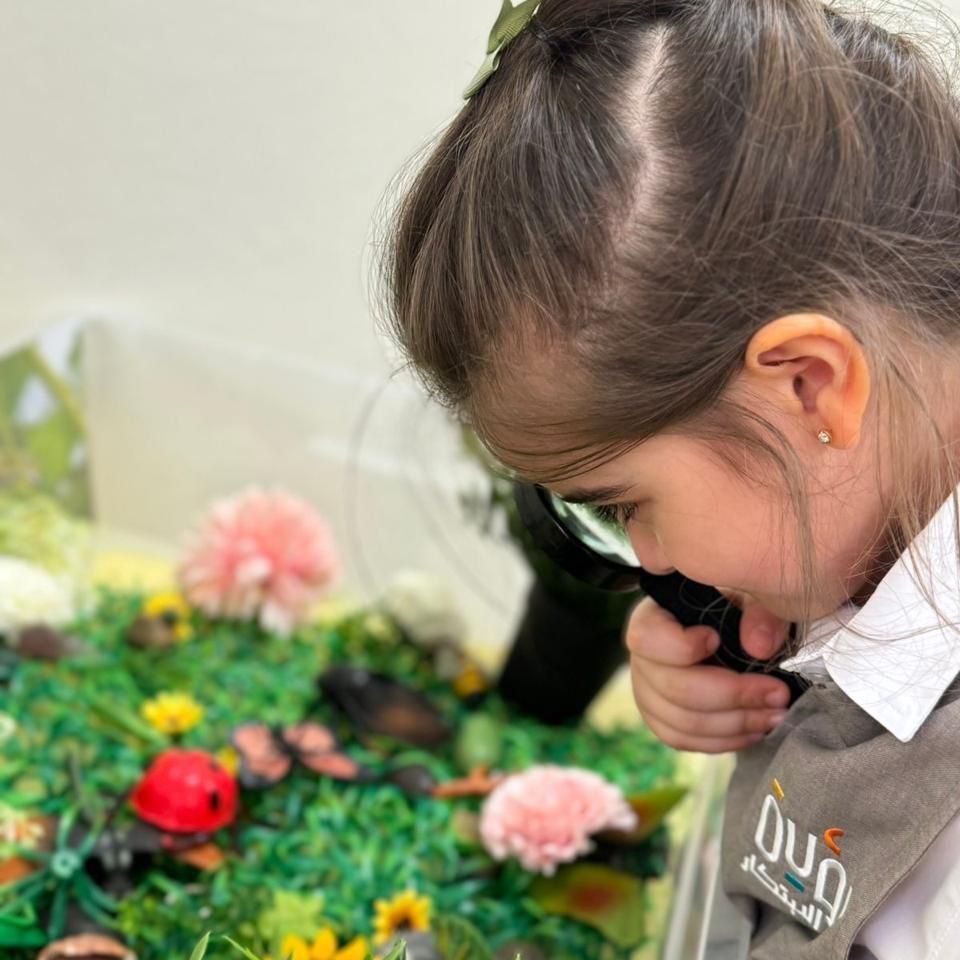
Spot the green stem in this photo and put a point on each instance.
(58, 913)
(127, 722)
(56, 385)
(8, 444)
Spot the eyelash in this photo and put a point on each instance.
(620, 513)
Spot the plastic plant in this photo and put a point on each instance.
(62, 877)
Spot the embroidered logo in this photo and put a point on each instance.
(812, 888)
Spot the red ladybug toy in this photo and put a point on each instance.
(186, 791)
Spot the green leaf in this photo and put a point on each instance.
(126, 720)
(651, 808)
(608, 900)
(241, 949)
(200, 950)
(458, 939)
(21, 930)
(399, 952)
(298, 913)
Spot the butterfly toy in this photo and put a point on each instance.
(268, 754)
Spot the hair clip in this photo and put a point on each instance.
(509, 24)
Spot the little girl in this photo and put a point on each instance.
(698, 262)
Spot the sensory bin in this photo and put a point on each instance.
(316, 785)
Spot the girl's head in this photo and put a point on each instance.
(669, 243)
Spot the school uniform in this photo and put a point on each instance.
(842, 837)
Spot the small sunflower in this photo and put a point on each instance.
(294, 948)
(323, 947)
(173, 610)
(229, 760)
(356, 949)
(406, 911)
(172, 713)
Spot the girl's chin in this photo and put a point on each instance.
(788, 608)
(792, 609)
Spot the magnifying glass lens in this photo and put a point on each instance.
(604, 537)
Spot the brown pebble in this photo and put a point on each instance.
(41, 642)
(151, 633)
(415, 780)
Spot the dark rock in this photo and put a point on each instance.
(415, 780)
(420, 946)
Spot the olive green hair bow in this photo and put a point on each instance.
(509, 25)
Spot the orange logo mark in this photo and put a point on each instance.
(830, 838)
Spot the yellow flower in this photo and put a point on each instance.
(229, 760)
(331, 610)
(295, 948)
(170, 607)
(406, 911)
(172, 712)
(324, 947)
(380, 627)
(356, 949)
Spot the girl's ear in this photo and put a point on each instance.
(816, 369)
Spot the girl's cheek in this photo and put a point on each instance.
(722, 553)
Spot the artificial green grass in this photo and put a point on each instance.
(338, 847)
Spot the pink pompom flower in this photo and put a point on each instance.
(261, 554)
(546, 815)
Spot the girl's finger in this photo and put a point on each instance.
(708, 689)
(762, 633)
(718, 725)
(654, 634)
(681, 740)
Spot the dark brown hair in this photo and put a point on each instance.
(642, 185)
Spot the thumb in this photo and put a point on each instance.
(761, 633)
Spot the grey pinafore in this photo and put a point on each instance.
(828, 814)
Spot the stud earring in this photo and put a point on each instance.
(824, 437)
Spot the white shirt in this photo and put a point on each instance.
(899, 682)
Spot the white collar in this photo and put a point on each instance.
(897, 655)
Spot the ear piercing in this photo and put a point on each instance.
(824, 437)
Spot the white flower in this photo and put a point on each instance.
(423, 609)
(8, 727)
(30, 596)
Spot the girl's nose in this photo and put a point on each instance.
(648, 550)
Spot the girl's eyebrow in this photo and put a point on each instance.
(595, 496)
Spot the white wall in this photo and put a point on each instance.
(214, 164)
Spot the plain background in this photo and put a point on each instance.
(205, 176)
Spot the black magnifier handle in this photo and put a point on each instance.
(695, 603)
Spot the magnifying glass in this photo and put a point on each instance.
(599, 553)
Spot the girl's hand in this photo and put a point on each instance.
(693, 706)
